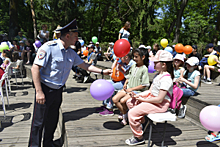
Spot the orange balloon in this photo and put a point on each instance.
(117, 75)
(179, 48)
(187, 49)
(85, 52)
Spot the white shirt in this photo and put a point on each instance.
(42, 33)
(163, 82)
(83, 49)
(125, 33)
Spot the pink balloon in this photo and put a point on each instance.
(151, 67)
(101, 89)
(210, 118)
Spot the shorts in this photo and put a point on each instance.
(216, 68)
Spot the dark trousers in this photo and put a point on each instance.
(83, 72)
(45, 117)
(203, 62)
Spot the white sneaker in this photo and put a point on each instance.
(208, 82)
(182, 112)
(85, 79)
(203, 81)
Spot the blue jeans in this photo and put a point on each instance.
(117, 86)
(187, 92)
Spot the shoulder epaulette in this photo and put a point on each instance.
(52, 42)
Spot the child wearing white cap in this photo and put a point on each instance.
(191, 79)
(178, 63)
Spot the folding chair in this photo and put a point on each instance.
(158, 118)
(21, 70)
(1, 91)
(15, 72)
(8, 70)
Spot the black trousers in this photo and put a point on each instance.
(45, 117)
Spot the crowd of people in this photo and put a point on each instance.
(134, 96)
(131, 96)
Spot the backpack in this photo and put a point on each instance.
(176, 100)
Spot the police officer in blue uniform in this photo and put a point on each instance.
(50, 71)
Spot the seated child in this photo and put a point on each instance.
(204, 61)
(7, 59)
(123, 66)
(149, 51)
(91, 60)
(22, 47)
(191, 81)
(98, 51)
(109, 53)
(207, 72)
(195, 53)
(28, 50)
(178, 63)
(137, 81)
(16, 58)
(154, 100)
(16, 47)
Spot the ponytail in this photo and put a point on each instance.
(143, 52)
(169, 65)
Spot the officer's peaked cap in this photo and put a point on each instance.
(71, 27)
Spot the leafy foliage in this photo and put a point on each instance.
(151, 20)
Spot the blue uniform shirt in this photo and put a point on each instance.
(56, 62)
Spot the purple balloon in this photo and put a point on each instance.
(38, 43)
(101, 89)
(151, 67)
(210, 118)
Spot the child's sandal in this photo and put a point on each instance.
(120, 117)
(124, 122)
(212, 137)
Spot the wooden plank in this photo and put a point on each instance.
(84, 127)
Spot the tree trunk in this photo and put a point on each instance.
(92, 21)
(33, 17)
(215, 38)
(170, 30)
(178, 21)
(13, 23)
(104, 16)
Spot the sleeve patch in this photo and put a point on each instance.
(41, 54)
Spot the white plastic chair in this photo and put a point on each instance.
(15, 72)
(8, 70)
(20, 70)
(1, 91)
(159, 118)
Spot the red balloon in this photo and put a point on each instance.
(187, 49)
(121, 48)
(179, 48)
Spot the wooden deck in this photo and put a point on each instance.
(84, 127)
